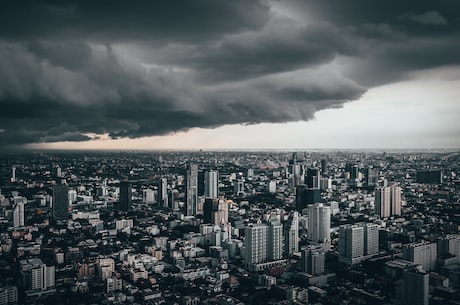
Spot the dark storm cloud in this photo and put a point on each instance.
(74, 70)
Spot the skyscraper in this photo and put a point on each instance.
(125, 196)
(291, 234)
(388, 201)
(191, 192)
(313, 258)
(371, 176)
(18, 215)
(163, 192)
(60, 202)
(211, 184)
(319, 225)
(306, 196)
(324, 169)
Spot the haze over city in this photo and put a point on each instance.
(229, 74)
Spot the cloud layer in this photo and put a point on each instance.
(73, 70)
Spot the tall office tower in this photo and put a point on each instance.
(423, 253)
(429, 176)
(382, 202)
(300, 197)
(148, 196)
(313, 258)
(211, 184)
(395, 200)
(319, 225)
(13, 174)
(125, 197)
(36, 275)
(201, 183)
(60, 202)
(250, 173)
(255, 243)
(163, 192)
(371, 176)
(388, 201)
(18, 215)
(371, 238)
(415, 286)
(191, 192)
(449, 245)
(324, 169)
(275, 240)
(351, 244)
(291, 234)
(354, 174)
(215, 211)
(313, 178)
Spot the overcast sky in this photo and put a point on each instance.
(230, 74)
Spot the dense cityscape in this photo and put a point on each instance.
(239, 227)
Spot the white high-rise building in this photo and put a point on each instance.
(18, 215)
(255, 243)
(388, 201)
(423, 253)
(275, 240)
(357, 242)
(211, 184)
(36, 275)
(263, 242)
(319, 225)
(106, 267)
(148, 196)
(291, 234)
(371, 238)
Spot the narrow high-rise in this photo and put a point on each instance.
(60, 202)
(319, 225)
(291, 234)
(211, 184)
(163, 192)
(18, 215)
(191, 192)
(215, 211)
(125, 196)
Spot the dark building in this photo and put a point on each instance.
(313, 177)
(201, 183)
(306, 196)
(125, 196)
(324, 166)
(429, 176)
(60, 202)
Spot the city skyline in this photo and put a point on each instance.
(230, 75)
